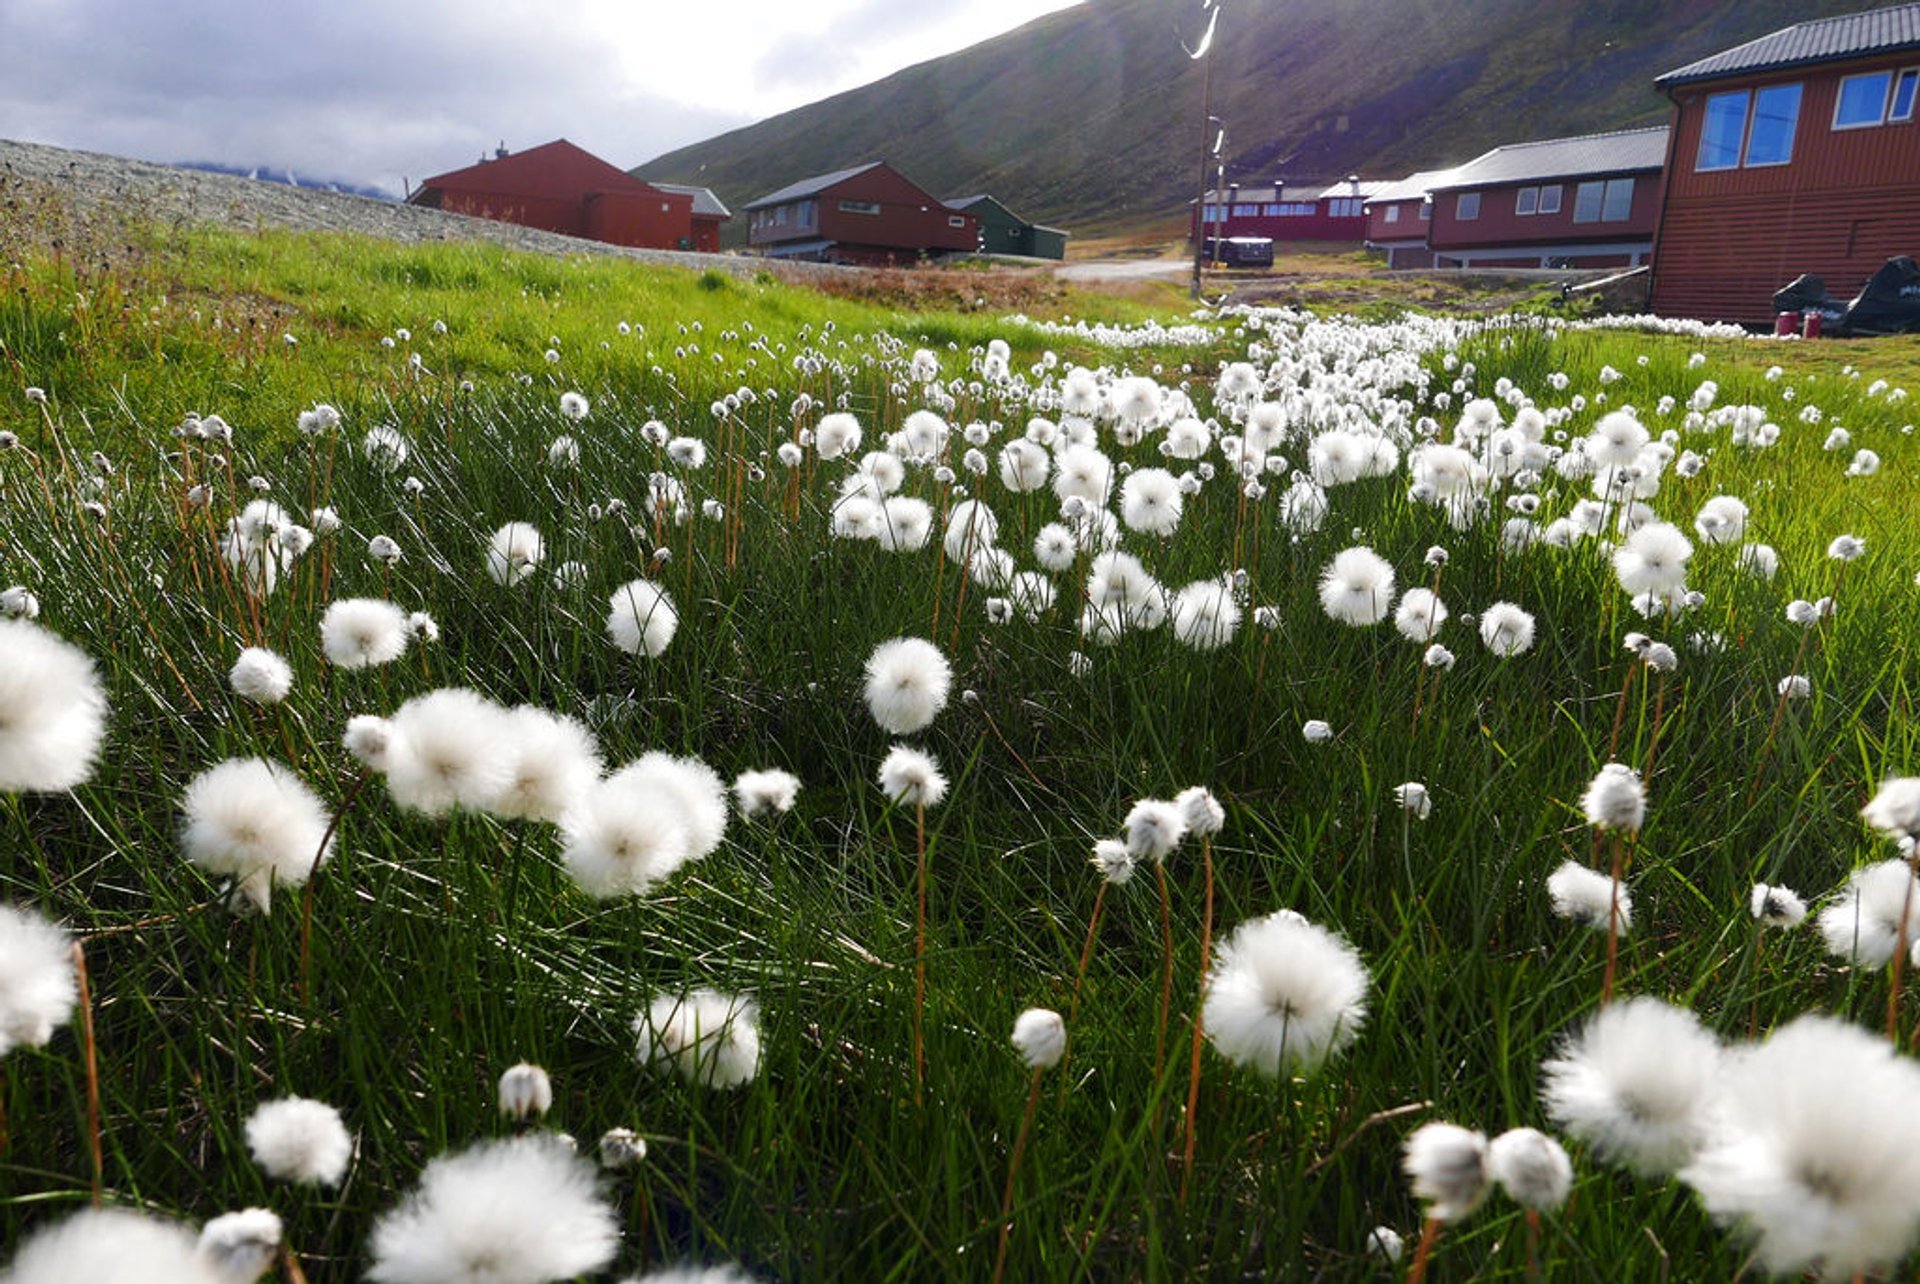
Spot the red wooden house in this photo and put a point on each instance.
(1797, 152)
(1308, 210)
(870, 214)
(708, 215)
(1398, 215)
(1589, 201)
(558, 187)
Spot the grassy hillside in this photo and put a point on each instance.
(1089, 117)
(877, 1122)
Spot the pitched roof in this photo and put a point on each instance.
(809, 186)
(1310, 189)
(704, 201)
(1623, 151)
(1853, 35)
(1352, 187)
(1413, 186)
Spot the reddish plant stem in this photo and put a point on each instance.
(91, 1051)
(1429, 1235)
(1199, 1019)
(1013, 1172)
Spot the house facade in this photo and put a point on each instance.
(870, 214)
(1287, 211)
(1398, 216)
(1004, 232)
(1588, 201)
(708, 215)
(558, 187)
(1795, 153)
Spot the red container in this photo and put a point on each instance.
(1786, 323)
(1809, 324)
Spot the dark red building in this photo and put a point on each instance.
(870, 214)
(1797, 152)
(558, 187)
(1589, 201)
(1398, 215)
(1309, 210)
(708, 215)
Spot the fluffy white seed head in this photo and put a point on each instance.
(257, 823)
(514, 553)
(1420, 615)
(1284, 995)
(261, 676)
(641, 618)
(912, 778)
(1531, 1167)
(37, 985)
(451, 748)
(907, 683)
(240, 1247)
(1113, 860)
(1506, 630)
(357, 632)
(296, 1139)
(526, 1092)
(525, 1211)
(758, 792)
(704, 1036)
(53, 710)
(1875, 915)
(1154, 827)
(1357, 587)
(690, 789)
(1615, 799)
(112, 1246)
(1040, 1037)
(1585, 896)
(1773, 906)
(1895, 807)
(555, 763)
(1446, 1165)
(1653, 559)
(1150, 501)
(1637, 1083)
(623, 837)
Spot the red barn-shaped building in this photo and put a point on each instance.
(869, 214)
(1290, 211)
(1797, 152)
(558, 187)
(1590, 201)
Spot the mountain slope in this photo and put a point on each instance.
(1090, 117)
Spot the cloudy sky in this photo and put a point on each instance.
(371, 91)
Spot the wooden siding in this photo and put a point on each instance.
(1317, 226)
(1847, 201)
(559, 187)
(906, 224)
(1408, 227)
(1499, 227)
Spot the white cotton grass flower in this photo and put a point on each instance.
(904, 525)
(53, 710)
(369, 738)
(641, 618)
(1617, 440)
(1082, 472)
(687, 1273)
(971, 526)
(524, 1211)
(38, 988)
(621, 1148)
(1721, 520)
(1054, 548)
(1773, 906)
(573, 406)
(257, 823)
(1205, 617)
(555, 763)
(525, 1092)
(240, 1247)
(623, 837)
(1845, 548)
(112, 1246)
(385, 448)
(1583, 896)
(1150, 501)
(384, 549)
(1284, 995)
(1653, 559)
(1115, 863)
(911, 778)
(359, 632)
(688, 787)
(1154, 827)
(1316, 731)
(1894, 809)
(1876, 915)
(300, 1140)
(1357, 587)
(1203, 812)
(1040, 1037)
(1446, 1165)
(1615, 799)
(835, 435)
(704, 1036)
(1638, 1083)
(1420, 615)
(756, 793)
(1815, 1157)
(450, 748)
(1385, 1244)
(907, 684)
(514, 553)
(1414, 799)
(261, 676)
(1506, 630)
(1531, 1167)
(20, 603)
(1795, 686)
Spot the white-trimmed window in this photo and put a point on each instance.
(1392, 215)
(1862, 100)
(1904, 86)
(956, 220)
(1751, 128)
(1426, 210)
(1526, 201)
(1550, 199)
(1722, 132)
(1466, 206)
(1603, 201)
(859, 207)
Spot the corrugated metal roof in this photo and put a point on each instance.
(1620, 152)
(1312, 189)
(1352, 187)
(1412, 186)
(808, 186)
(704, 201)
(1852, 35)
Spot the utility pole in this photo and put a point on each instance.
(1206, 120)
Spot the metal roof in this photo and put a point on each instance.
(704, 201)
(1311, 189)
(1853, 35)
(809, 186)
(1352, 187)
(1412, 186)
(1620, 152)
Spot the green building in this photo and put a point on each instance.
(1004, 232)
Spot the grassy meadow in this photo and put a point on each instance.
(431, 952)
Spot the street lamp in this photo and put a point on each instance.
(1207, 152)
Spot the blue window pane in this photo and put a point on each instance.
(1720, 135)
(1863, 100)
(1903, 96)
(1776, 111)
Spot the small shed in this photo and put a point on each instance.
(1004, 232)
(708, 215)
(558, 187)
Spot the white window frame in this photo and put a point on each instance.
(1526, 201)
(859, 207)
(1886, 99)
(1461, 207)
(1893, 95)
(1392, 215)
(1740, 140)
(1793, 134)
(1600, 201)
(1606, 199)
(1552, 189)
(956, 220)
